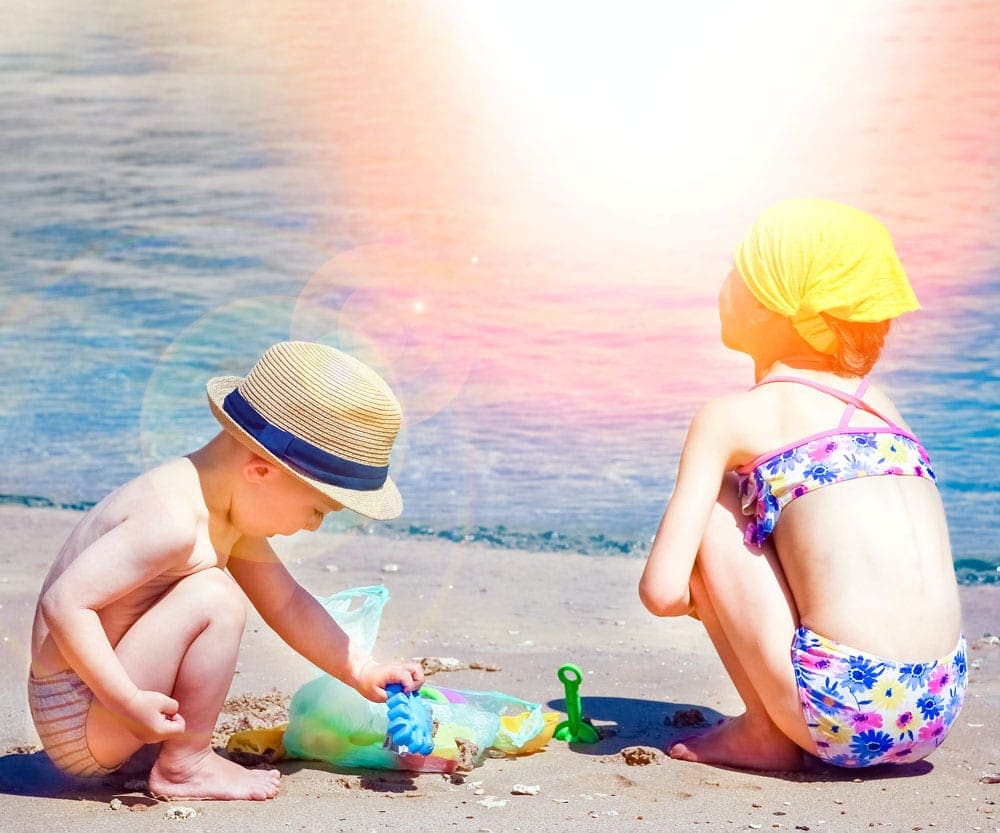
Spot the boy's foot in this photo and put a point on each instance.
(737, 743)
(210, 776)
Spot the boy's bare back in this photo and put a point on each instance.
(118, 560)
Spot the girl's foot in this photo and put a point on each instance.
(208, 775)
(739, 743)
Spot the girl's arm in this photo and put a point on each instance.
(707, 454)
(303, 623)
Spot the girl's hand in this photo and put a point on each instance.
(153, 717)
(372, 678)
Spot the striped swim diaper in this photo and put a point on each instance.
(59, 705)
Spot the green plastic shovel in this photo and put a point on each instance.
(573, 729)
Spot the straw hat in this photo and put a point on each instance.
(321, 415)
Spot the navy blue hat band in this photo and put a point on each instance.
(302, 455)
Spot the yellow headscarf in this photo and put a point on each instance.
(806, 256)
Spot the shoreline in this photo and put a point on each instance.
(523, 614)
(976, 570)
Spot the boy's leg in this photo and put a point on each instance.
(743, 600)
(185, 646)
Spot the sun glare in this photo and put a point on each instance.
(669, 105)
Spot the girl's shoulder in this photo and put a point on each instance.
(735, 406)
(732, 424)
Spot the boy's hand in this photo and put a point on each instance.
(153, 717)
(372, 678)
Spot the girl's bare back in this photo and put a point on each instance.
(867, 560)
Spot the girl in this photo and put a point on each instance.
(835, 611)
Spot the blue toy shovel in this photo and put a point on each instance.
(410, 729)
(573, 729)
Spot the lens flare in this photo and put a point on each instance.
(227, 341)
(404, 312)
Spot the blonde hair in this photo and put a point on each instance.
(859, 344)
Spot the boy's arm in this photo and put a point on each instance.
(303, 623)
(124, 558)
(706, 456)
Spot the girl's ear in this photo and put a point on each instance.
(761, 315)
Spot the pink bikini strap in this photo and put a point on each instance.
(845, 420)
(853, 401)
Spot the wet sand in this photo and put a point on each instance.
(515, 617)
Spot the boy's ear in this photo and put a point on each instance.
(257, 469)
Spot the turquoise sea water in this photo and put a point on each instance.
(169, 210)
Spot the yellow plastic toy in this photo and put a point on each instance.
(511, 727)
(263, 745)
(445, 738)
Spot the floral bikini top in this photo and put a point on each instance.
(776, 478)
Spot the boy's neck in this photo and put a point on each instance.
(219, 466)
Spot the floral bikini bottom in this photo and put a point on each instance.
(864, 710)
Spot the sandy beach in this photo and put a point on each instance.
(516, 616)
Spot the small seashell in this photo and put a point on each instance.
(493, 801)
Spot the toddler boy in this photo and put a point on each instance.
(139, 621)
